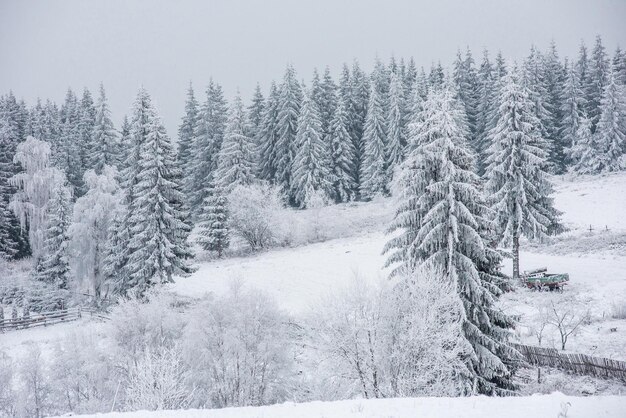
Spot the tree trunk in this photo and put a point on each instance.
(516, 255)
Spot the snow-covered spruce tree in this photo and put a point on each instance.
(268, 137)
(443, 224)
(34, 186)
(535, 84)
(582, 67)
(289, 102)
(357, 114)
(328, 102)
(13, 244)
(465, 79)
(54, 267)
(186, 132)
(312, 162)
(373, 174)
(611, 129)
(256, 111)
(67, 155)
(517, 182)
(213, 222)
(342, 154)
(207, 144)
(86, 123)
(571, 108)
(554, 79)
(396, 124)
(124, 146)
(486, 102)
(597, 78)
(156, 221)
(93, 219)
(235, 161)
(584, 150)
(618, 66)
(104, 139)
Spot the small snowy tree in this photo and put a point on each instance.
(373, 168)
(584, 149)
(235, 161)
(517, 182)
(213, 223)
(92, 221)
(311, 164)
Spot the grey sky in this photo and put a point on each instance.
(46, 46)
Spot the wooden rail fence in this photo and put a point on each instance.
(574, 363)
(48, 318)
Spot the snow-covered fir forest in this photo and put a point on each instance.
(460, 166)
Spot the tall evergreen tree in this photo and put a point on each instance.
(554, 78)
(186, 135)
(207, 144)
(235, 162)
(86, 123)
(289, 102)
(486, 103)
(54, 267)
(104, 147)
(268, 137)
(214, 233)
(327, 102)
(436, 77)
(357, 114)
(582, 67)
(611, 128)
(255, 123)
(464, 75)
(597, 78)
(396, 125)
(374, 169)
(619, 66)
(584, 151)
(516, 179)
(312, 172)
(443, 224)
(342, 154)
(157, 223)
(571, 108)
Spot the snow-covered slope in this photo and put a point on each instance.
(539, 406)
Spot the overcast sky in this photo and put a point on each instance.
(46, 46)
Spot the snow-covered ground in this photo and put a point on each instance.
(538, 406)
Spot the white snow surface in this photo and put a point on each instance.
(536, 406)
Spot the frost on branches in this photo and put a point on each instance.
(517, 181)
(442, 222)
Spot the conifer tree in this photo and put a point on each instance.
(436, 77)
(582, 67)
(186, 136)
(289, 102)
(54, 267)
(571, 108)
(327, 102)
(486, 102)
(342, 153)
(619, 66)
(86, 123)
(464, 75)
(268, 137)
(104, 139)
(157, 224)
(597, 78)
(213, 223)
(207, 144)
(611, 129)
(312, 162)
(443, 224)
(396, 124)
(517, 183)
(236, 164)
(357, 113)
(554, 78)
(373, 174)
(584, 149)
(256, 112)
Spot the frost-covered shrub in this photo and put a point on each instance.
(385, 341)
(255, 211)
(152, 321)
(239, 350)
(35, 398)
(159, 381)
(8, 405)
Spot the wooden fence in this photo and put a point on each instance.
(48, 318)
(574, 363)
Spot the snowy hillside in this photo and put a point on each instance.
(546, 406)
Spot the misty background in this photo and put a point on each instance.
(46, 46)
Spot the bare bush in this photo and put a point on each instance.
(239, 350)
(567, 316)
(391, 341)
(254, 212)
(35, 384)
(8, 405)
